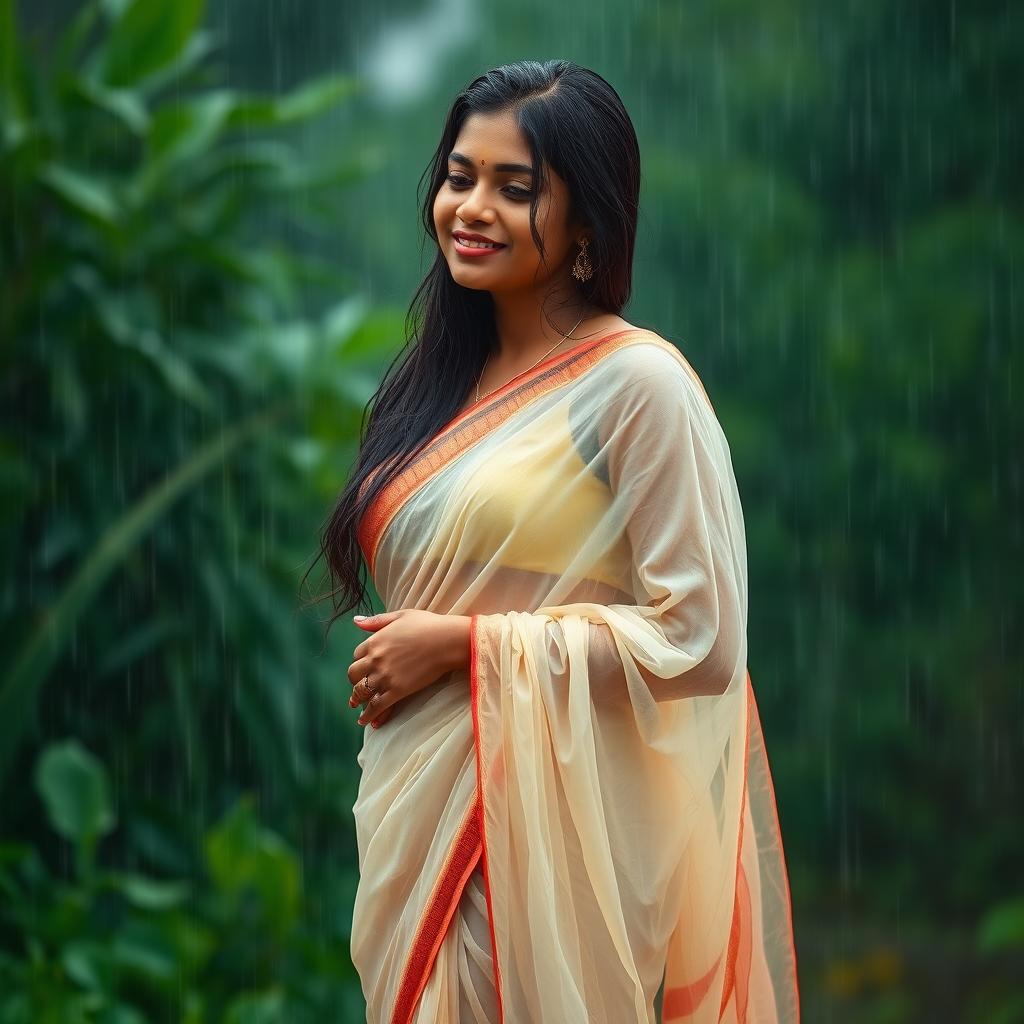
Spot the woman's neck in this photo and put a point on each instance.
(522, 335)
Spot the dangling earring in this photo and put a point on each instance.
(581, 268)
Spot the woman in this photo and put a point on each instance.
(565, 800)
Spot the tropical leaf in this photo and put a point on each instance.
(148, 37)
(30, 666)
(73, 785)
(305, 102)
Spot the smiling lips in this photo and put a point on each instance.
(467, 242)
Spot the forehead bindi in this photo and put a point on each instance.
(504, 166)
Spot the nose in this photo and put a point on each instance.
(474, 208)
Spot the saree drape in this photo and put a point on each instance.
(586, 813)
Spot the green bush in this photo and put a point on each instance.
(180, 396)
(226, 946)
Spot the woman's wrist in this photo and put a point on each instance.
(454, 641)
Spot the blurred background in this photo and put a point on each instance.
(209, 235)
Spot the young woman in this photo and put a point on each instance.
(565, 802)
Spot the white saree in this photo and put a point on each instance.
(586, 812)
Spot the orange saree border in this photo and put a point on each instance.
(681, 1002)
(474, 700)
(769, 784)
(488, 414)
(737, 967)
(471, 846)
(462, 860)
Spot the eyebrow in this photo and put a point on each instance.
(461, 158)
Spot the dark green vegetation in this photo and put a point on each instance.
(174, 424)
(832, 231)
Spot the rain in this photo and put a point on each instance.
(210, 235)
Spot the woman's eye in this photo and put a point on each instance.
(458, 181)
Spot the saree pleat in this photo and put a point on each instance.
(585, 814)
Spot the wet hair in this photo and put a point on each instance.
(574, 122)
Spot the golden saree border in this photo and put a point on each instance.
(462, 860)
(470, 426)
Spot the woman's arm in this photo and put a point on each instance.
(453, 640)
(674, 496)
(419, 648)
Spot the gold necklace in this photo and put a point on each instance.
(521, 372)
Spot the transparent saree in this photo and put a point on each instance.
(585, 813)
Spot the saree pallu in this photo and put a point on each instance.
(598, 773)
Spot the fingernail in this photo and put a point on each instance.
(356, 618)
(374, 724)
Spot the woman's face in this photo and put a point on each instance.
(482, 196)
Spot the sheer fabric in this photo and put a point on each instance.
(461, 984)
(598, 772)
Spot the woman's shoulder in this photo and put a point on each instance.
(638, 354)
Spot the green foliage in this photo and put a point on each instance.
(180, 392)
(74, 787)
(838, 234)
(1003, 927)
(242, 856)
(831, 228)
(233, 943)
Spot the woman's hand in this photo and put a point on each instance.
(409, 649)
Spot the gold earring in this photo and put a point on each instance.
(581, 268)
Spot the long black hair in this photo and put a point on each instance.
(573, 122)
